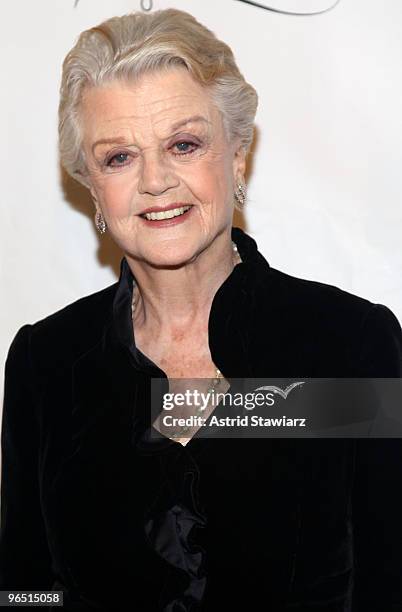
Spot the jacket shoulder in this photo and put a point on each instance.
(367, 333)
(66, 333)
(316, 294)
(322, 303)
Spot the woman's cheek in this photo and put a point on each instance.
(117, 196)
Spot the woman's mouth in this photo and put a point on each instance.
(166, 214)
(167, 217)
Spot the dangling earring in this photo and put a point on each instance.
(240, 195)
(100, 223)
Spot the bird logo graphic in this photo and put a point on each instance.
(282, 392)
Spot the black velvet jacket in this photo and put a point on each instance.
(118, 521)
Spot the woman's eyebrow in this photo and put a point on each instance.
(121, 140)
(114, 140)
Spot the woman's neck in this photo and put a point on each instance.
(172, 301)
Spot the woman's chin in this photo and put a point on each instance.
(157, 256)
(175, 260)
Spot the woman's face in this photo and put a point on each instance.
(159, 143)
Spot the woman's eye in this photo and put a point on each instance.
(120, 159)
(184, 147)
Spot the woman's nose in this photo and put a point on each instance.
(156, 175)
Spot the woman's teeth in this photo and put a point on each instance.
(167, 214)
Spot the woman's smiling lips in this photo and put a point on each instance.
(167, 215)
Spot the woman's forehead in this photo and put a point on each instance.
(161, 103)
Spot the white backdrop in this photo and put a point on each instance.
(325, 178)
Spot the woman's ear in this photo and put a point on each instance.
(93, 194)
(239, 163)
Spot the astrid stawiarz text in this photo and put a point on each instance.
(243, 421)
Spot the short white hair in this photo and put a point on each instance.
(126, 47)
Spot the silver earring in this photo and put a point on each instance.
(100, 223)
(240, 195)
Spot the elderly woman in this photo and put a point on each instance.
(156, 120)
